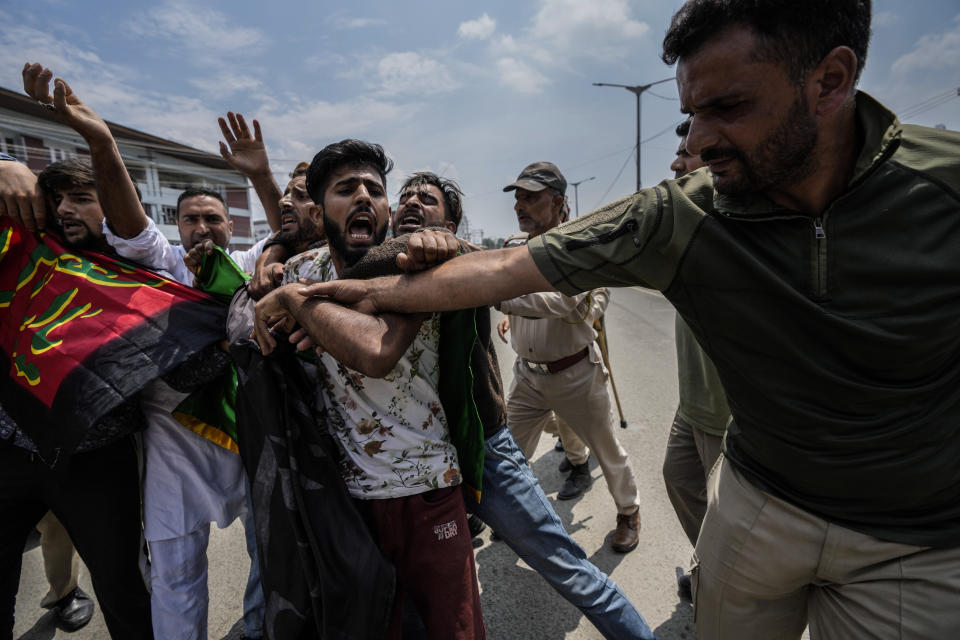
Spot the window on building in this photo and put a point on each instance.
(11, 145)
(168, 214)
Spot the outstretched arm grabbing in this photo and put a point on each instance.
(471, 280)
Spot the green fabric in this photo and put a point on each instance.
(213, 405)
(211, 410)
(837, 337)
(219, 275)
(703, 402)
(458, 336)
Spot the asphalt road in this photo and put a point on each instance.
(517, 603)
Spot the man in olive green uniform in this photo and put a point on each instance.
(816, 262)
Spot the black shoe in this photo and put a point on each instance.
(475, 524)
(565, 465)
(495, 536)
(558, 445)
(576, 483)
(684, 587)
(74, 610)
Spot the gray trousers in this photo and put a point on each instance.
(766, 568)
(691, 453)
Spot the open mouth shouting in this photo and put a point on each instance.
(289, 220)
(409, 220)
(361, 227)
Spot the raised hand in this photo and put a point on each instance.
(246, 153)
(271, 313)
(194, 258)
(67, 107)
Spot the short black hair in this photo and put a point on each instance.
(193, 192)
(349, 152)
(452, 194)
(796, 33)
(66, 174)
(70, 173)
(683, 128)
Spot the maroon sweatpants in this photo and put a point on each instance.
(426, 538)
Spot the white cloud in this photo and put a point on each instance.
(344, 22)
(597, 29)
(294, 129)
(479, 29)
(201, 30)
(563, 31)
(21, 43)
(226, 84)
(932, 51)
(520, 76)
(411, 72)
(506, 44)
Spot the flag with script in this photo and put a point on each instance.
(81, 331)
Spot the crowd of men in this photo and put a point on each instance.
(812, 462)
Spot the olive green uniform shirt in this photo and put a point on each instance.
(703, 402)
(837, 337)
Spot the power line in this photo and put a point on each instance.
(619, 173)
(657, 95)
(930, 103)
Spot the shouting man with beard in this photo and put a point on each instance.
(379, 379)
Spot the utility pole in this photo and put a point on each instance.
(576, 200)
(637, 90)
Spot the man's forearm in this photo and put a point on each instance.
(269, 193)
(371, 345)
(472, 280)
(118, 197)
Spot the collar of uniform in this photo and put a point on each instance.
(881, 136)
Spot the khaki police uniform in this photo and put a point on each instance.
(559, 368)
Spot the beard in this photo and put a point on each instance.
(337, 240)
(88, 240)
(305, 233)
(785, 156)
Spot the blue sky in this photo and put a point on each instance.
(474, 91)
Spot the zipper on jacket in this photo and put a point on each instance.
(630, 226)
(819, 258)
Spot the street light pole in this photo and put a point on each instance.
(576, 199)
(637, 90)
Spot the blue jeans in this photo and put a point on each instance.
(514, 505)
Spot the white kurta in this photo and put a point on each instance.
(189, 481)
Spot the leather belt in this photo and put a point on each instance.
(547, 368)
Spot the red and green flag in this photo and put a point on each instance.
(82, 331)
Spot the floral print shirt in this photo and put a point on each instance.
(391, 430)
